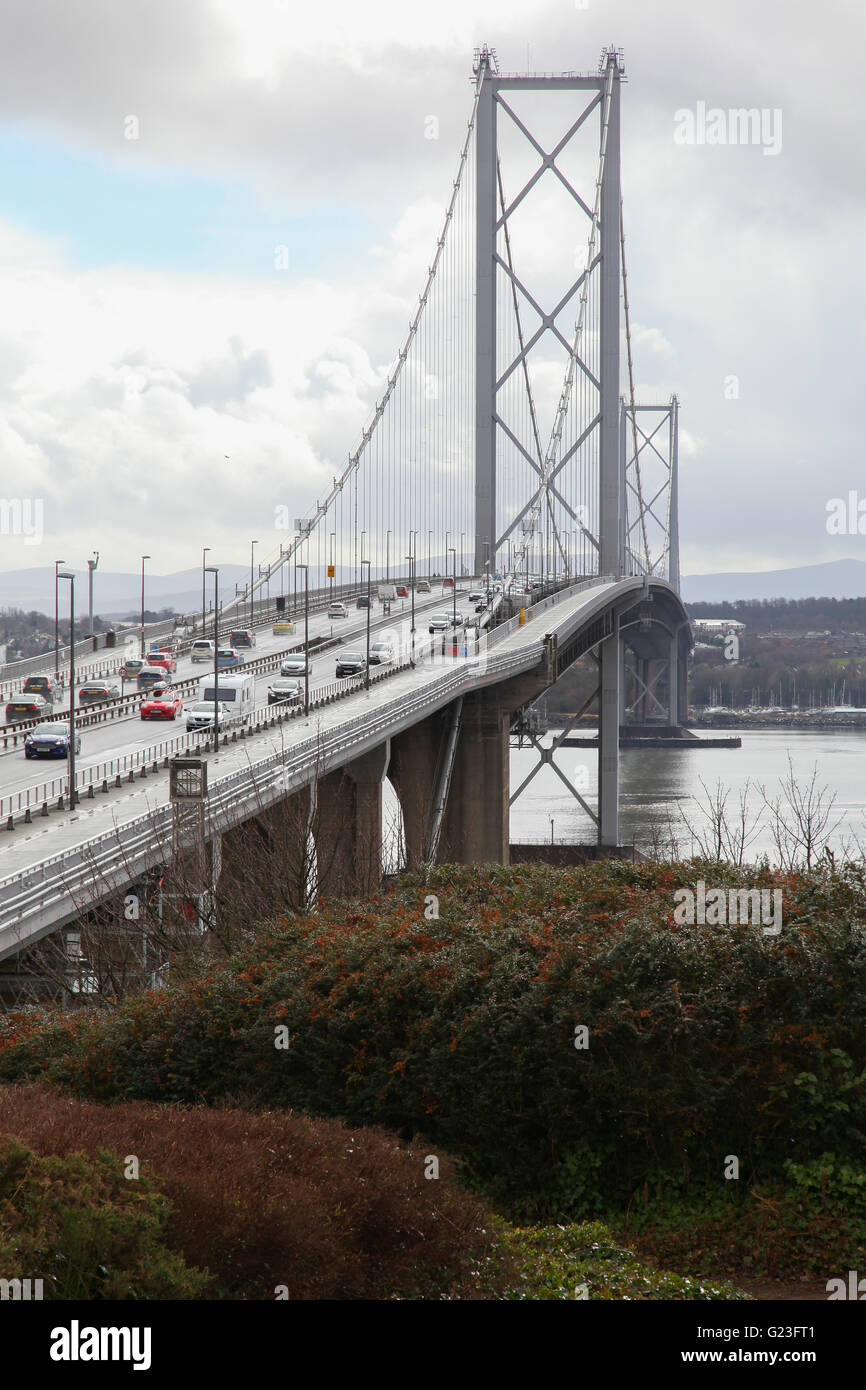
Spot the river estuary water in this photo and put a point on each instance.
(658, 786)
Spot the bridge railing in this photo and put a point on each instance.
(498, 634)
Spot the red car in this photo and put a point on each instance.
(164, 659)
(162, 703)
(402, 591)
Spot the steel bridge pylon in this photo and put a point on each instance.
(626, 528)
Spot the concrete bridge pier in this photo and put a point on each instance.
(349, 828)
(412, 771)
(476, 825)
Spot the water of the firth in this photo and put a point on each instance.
(658, 786)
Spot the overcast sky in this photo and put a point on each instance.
(146, 333)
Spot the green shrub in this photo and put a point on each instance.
(77, 1224)
(584, 1261)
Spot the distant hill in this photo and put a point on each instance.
(115, 595)
(834, 579)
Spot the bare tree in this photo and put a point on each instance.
(801, 819)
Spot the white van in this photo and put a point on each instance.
(387, 592)
(236, 691)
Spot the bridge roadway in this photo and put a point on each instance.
(53, 869)
(128, 733)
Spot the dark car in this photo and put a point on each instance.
(93, 692)
(351, 664)
(49, 741)
(244, 638)
(27, 707)
(285, 692)
(362, 601)
(151, 676)
(47, 686)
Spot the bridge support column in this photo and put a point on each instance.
(414, 756)
(476, 825)
(674, 680)
(349, 832)
(610, 679)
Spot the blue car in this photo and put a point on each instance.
(227, 658)
(49, 741)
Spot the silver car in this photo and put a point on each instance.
(200, 715)
(294, 665)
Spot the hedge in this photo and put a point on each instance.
(704, 1041)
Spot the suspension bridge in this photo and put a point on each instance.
(506, 449)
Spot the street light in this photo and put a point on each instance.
(67, 574)
(204, 551)
(212, 569)
(411, 558)
(452, 551)
(306, 568)
(253, 545)
(367, 671)
(91, 566)
(462, 539)
(429, 545)
(57, 564)
(387, 556)
(141, 629)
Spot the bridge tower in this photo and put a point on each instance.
(604, 523)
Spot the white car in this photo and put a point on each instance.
(337, 610)
(201, 650)
(294, 665)
(440, 622)
(200, 715)
(477, 596)
(381, 653)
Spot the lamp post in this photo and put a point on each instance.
(204, 551)
(462, 539)
(411, 558)
(91, 566)
(306, 568)
(387, 555)
(429, 546)
(253, 545)
(212, 569)
(367, 670)
(451, 551)
(363, 534)
(57, 564)
(67, 574)
(141, 629)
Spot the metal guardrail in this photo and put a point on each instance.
(505, 629)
